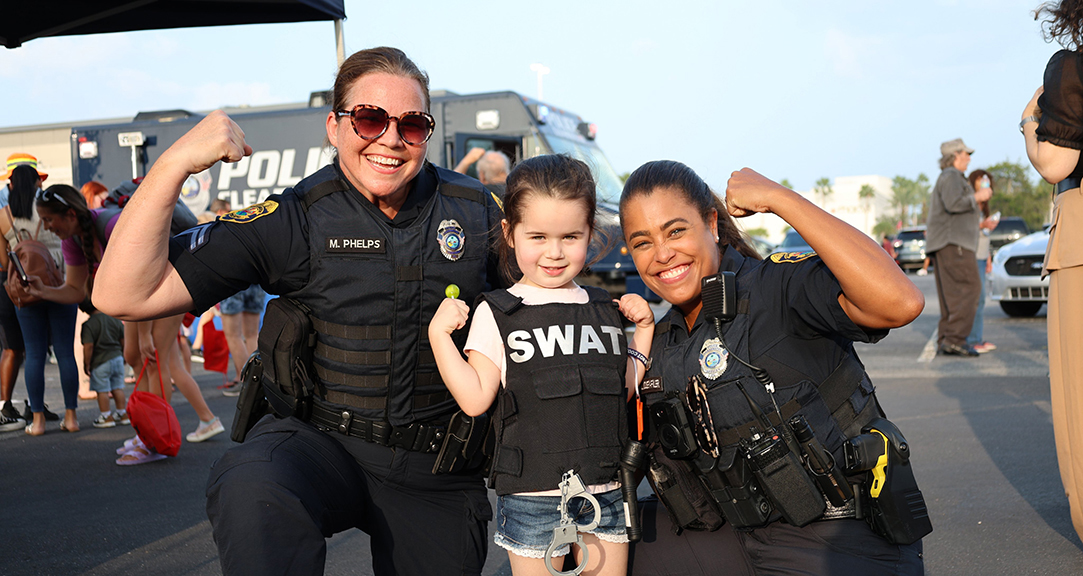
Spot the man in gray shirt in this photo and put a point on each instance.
(951, 241)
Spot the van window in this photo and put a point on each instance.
(606, 179)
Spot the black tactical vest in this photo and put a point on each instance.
(373, 290)
(835, 407)
(564, 406)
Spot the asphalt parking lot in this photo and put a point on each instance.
(980, 431)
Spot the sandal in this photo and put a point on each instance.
(30, 431)
(139, 456)
(129, 445)
(66, 429)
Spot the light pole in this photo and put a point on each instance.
(542, 70)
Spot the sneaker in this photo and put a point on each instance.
(232, 389)
(10, 424)
(29, 416)
(957, 350)
(923, 272)
(206, 431)
(197, 356)
(121, 418)
(9, 411)
(984, 347)
(103, 421)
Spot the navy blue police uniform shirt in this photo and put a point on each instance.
(269, 246)
(795, 316)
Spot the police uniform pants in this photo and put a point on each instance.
(273, 500)
(830, 547)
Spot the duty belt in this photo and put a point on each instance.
(1067, 184)
(417, 437)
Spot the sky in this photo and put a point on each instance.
(795, 90)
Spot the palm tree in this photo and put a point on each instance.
(823, 190)
(865, 195)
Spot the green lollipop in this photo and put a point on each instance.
(452, 291)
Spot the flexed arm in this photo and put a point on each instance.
(473, 383)
(136, 280)
(875, 292)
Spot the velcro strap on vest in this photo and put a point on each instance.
(378, 402)
(372, 380)
(455, 191)
(380, 358)
(325, 188)
(508, 460)
(503, 301)
(352, 332)
(417, 437)
(408, 274)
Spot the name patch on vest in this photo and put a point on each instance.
(651, 385)
(566, 340)
(356, 245)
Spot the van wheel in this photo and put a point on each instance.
(1020, 309)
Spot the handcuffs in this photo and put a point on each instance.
(571, 486)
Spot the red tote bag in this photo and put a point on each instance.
(153, 418)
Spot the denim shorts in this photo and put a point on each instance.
(248, 300)
(524, 524)
(108, 375)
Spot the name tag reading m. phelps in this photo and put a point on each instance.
(355, 245)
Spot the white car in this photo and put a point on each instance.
(1016, 280)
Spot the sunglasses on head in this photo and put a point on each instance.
(703, 425)
(50, 196)
(370, 122)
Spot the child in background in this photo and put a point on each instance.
(555, 358)
(103, 360)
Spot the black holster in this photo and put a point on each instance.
(468, 444)
(286, 344)
(252, 403)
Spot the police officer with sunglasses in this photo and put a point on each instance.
(367, 245)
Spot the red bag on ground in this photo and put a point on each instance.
(154, 419)
(215, 349)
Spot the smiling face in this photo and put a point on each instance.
(550, 242)
(64, 225)
(380, 169)
(672, 246)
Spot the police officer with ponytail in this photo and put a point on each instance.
(364, 249)
(754, 390)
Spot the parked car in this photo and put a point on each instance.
(910, 247)
(1016, 280)
(1010, 229)
(763, 246)
(793, 242)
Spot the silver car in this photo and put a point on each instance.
(1016, 280)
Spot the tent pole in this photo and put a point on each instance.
(340, 44)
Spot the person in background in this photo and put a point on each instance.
(17, 159)
(492, 168)
(103, 358)
(95, 193)
(1052, 127)
(979, 181)
(951, 239)
(240, 323)
(46, 323)
(63, 210)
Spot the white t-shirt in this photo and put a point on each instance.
(485, 338)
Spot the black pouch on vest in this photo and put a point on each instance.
(464, 444)
(286, 344)
(251, 403)
(679, 488)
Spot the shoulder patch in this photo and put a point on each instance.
(251, 213)
(791, 257)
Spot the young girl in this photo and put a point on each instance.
(554, 357)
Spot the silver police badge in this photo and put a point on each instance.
(451, 239)
(713, 359)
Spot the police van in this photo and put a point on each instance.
(288, 144)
